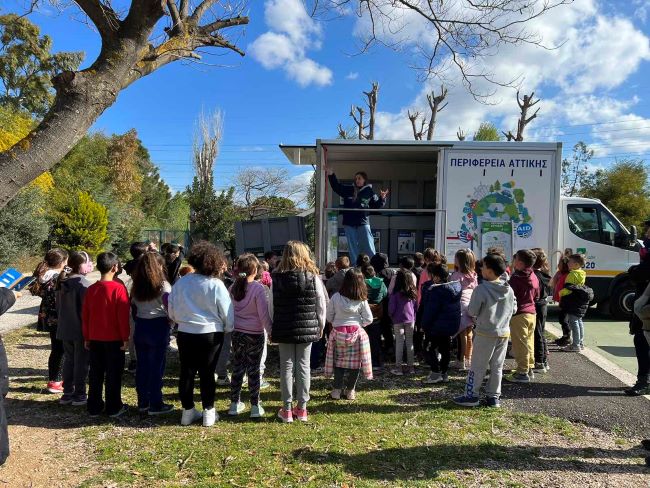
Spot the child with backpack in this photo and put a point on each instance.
(348, 348)
(492, 305)
(541, 269)
(105, 325)
(465, 273)
(71, 290)
(252, 319)
(46, 274)
(149, 295)
(441, 316)
(575, 298)
(401, 308)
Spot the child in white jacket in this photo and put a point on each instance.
(348, 348)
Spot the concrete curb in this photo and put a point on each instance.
(602, 362)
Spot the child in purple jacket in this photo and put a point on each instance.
(401, 308)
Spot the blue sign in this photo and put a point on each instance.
(9, 277)
(524, 230)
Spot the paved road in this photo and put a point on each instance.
(609, 338)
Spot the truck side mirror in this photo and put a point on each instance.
(634, 235)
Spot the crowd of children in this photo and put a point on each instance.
(352, 320)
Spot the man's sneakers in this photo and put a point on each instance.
(55, 387)
(286, 416)
(210, 416)
(257, 411)
(236, 408)
(164, 409)
(517, 378)
(466, 401)
(638, 389)
(188, 417)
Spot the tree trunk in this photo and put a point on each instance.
(81, 98)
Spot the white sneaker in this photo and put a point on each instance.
(433, 378)
(236, 408)
(210, 416)
(188, 417)
(257, 411)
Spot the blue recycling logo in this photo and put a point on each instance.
(524, 230)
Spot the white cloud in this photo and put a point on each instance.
(353, 75)
(597, 54)
(291, 33)
(300, 181)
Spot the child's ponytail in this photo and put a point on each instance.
(247, 265)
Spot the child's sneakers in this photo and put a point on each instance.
(539, 368)
(492, 402)
(236, 408)
(572, 349)
(55, 386)
(517, 378)
(79, 401)
(466, 401)
(210, 416)
(188, 417)
(433, 378)
(301, 413)
(264, 384)
(351, 395)
(223, 380)
(257, 411)
(397, 371)
(65, 399)
(336, 394)
(120, 412)
(164, 409)
(285, 415)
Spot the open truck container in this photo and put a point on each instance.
(467, 194)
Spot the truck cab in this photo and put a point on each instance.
(590, 228)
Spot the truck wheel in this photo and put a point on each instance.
(621, 303)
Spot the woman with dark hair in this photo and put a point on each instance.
(149, 295)
(356, 224)
(173, 254)
(200, 304)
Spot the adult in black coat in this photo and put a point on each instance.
(7, 299)
(640, 276)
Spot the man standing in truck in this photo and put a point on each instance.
(359, 195)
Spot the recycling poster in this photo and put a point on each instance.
(497, 235)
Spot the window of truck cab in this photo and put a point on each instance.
(592, 222)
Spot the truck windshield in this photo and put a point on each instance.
(594, 223)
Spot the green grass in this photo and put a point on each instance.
(396, 433)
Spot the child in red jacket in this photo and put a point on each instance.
(105, 324)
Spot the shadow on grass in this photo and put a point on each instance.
(426, 462)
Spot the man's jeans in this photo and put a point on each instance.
(360, 241)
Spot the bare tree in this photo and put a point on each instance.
(453, 34)
(205, 147)
(133, 46)
(524, 105)
(460, 134)
(435, 106)
(266, 192)
(357, 113)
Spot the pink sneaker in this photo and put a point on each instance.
(300, 414)
(55, 386)
(285, 415)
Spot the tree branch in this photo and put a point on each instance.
(224, 23)
(103, 16)
(200, 11)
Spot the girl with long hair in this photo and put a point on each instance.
(299, 306)
(46, 274)
(149, 294)
(465, 272)
(252, 319)
(401, 308)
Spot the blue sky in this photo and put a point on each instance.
(300, 76)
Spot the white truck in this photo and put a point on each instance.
(459, 194)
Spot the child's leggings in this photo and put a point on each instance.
(246, 358)
(351, 383)
(404, 333)
(466, 343)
